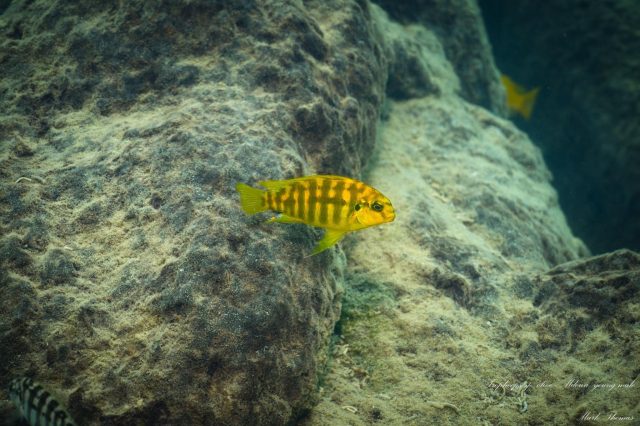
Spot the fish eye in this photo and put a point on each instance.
(358, 206)
(377, 206)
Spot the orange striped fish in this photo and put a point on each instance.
(337, 204)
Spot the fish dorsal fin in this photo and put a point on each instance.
(331, 237)
(276, 185)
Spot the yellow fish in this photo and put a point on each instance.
(519, 100)
(337, 204)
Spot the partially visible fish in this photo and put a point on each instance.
(337, 204)
(519, 100)
(36, 405)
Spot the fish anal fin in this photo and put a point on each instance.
(331, 237)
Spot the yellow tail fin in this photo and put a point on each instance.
(518, 99)
(528, 101)
(252, 199)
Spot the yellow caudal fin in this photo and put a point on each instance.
(528, 101)
(251, 199)
(519, 100)
(330, 238)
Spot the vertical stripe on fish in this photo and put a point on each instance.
(340, 206)
(300, 197)
(325, 201)
(313, 200)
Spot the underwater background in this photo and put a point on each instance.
(135, 290)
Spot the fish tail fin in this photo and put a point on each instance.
(251, 199)
(528, 101)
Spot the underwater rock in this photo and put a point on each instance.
(588, 323)
(462, 36)
(476, 216)
(601, 286)
(156, 297)
(58, 268)
(13, 256)
(410, 51)
(582, 56)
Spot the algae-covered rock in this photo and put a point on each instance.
(477, 219)
(601, 286)
(588, 322)
(462, 37)
(133, 284)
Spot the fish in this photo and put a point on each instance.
(519, 100)
(36, 405)
(336, 203)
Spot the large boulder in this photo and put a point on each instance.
(132, 283)
(461, 35)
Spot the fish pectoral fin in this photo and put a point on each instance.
(283, 218)
(330, 238)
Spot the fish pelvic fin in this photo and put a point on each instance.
(331, 237)
(251, 199)
(528, 101)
